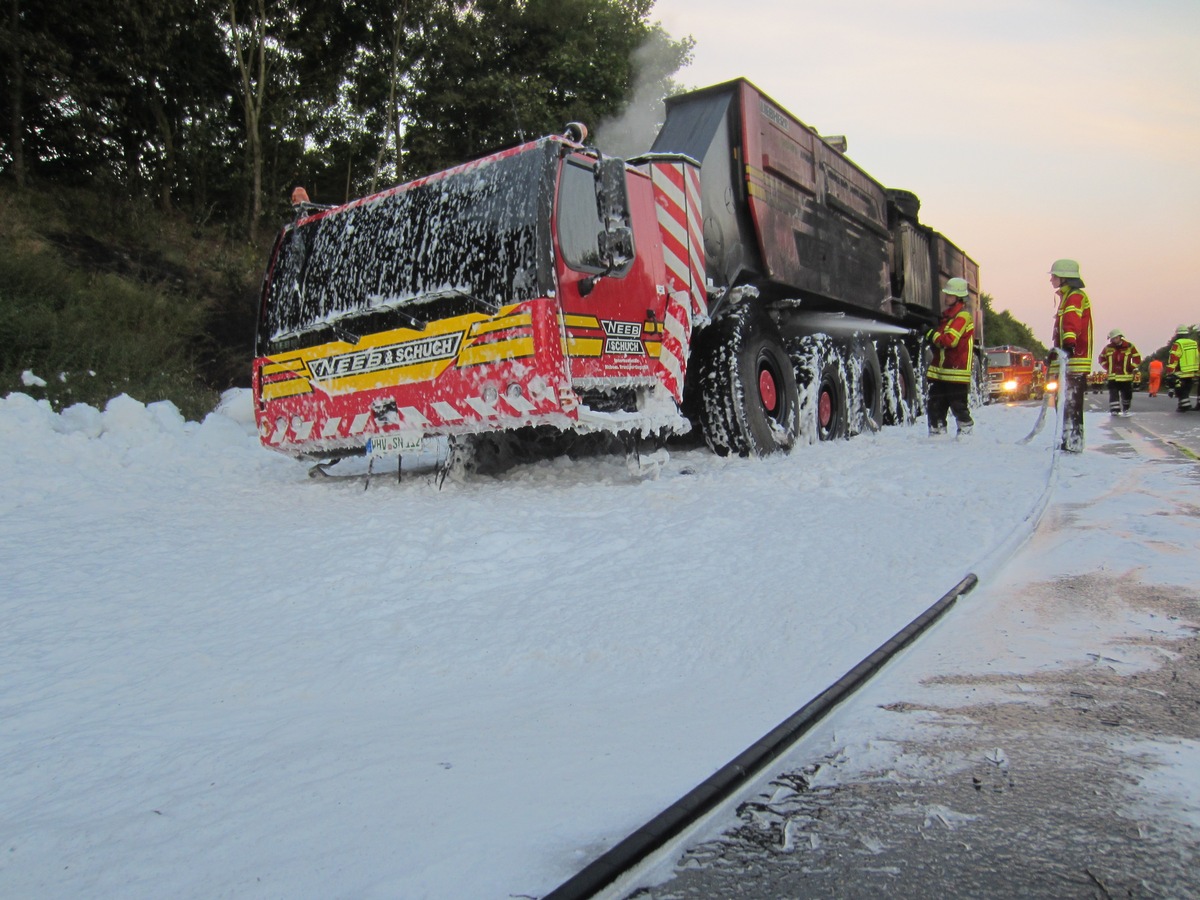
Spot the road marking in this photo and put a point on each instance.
(1186, 451)
(1146, 443)
(1140, 441)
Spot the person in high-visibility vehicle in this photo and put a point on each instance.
(949, 371)
(1120, 361)
(1073, 335)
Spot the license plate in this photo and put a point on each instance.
(394, 444)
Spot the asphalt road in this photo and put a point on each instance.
(1154, 419)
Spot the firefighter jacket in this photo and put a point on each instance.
(1183, 360)
(1120, 359)
(1073, 330)
(952, 342)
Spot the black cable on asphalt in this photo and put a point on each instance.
(722, 784)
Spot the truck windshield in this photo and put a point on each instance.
(471, 234)
(999, 360)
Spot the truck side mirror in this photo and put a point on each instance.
(615, 240)
(616, 247)
(612, 195)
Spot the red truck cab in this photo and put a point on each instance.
(503, 293)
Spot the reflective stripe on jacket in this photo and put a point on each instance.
(952, 346)
(1073, 325)
(1120, 359)
(1184, 358)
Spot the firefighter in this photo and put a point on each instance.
(1183, 364)
(1073, 335)
(1120, 361)
(1156, 370)
(949, 371)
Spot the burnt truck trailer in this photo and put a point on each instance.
(743, 277)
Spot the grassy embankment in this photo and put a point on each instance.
(100, 297)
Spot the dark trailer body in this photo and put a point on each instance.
(787, 211)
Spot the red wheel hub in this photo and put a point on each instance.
(767, 390)
(824, 409)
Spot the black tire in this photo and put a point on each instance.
(821, 374)
(866, 388)
(899, 386)
(748, 400)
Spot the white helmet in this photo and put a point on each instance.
(1065, 268)
(957, 287)
(1116, 333)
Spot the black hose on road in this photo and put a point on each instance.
(723, 783)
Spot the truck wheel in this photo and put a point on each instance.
(866, 397)
(822, 377)
(749, 404)
(899, 386)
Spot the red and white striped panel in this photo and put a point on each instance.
(677, 199)
(434, 418)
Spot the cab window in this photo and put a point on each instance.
(579, 225)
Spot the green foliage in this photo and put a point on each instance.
(494, 72)
(101, 299)
(91, 339)
(1000, 328)
(219, 107)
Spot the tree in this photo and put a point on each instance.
(100, 93)
(160, 65)
(222, 106)
(49, 83)
(12, 43)
(1001, 328)
(492, 73)
(254, 54)
(291, 59)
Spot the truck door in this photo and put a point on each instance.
(613, 320)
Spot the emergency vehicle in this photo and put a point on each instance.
(1014, 373)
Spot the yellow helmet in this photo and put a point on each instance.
(1065, 268)
(956, 286)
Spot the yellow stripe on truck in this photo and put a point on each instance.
(514, 348)
(580, 347)
(278, 390)
(574, 321)
(524, 320)
(280, 367)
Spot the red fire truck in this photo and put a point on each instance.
(744, 278)
(1014, 373)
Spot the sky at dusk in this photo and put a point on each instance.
(1030, 129)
